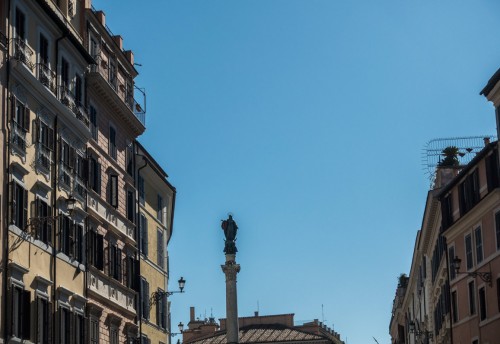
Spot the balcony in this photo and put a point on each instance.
(18, 138)
(47, 77)
(22, 52)
(43, 157)
(119, 94)
(67, 98)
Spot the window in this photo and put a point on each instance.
(64, 325)
(44, 50)
(94, 48)
(159, 248)
(472, 298)
(132, 273)
(20, 124)
(44, 137)
(451, 268)
(161, 319)
(67, 156)
(468, 252)
(94, 175)
(65, 75)
(43, 320)
(96, 249)
(130, 205)
(112, 142)
(79, 328)
(142, 190)
(482, 304)
(143, 227)
(113, 335)
(94, 330)
(81, 173)
(144, 299)
(469, 192)
(20, 24)
(44, 225)
(70, 238)
(112, 74)
(447, 212)
(20, 312)
(159, 209)
(93, 122)
(113, 190)
(479, 245)
(115, 262)
(145, 339)
(19, 205)
(454, 306)
(78, 90)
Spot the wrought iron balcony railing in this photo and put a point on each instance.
(23, 53)
(18, 137)
(67, 98)
(47, 77)
(43, 156)
(79, 187)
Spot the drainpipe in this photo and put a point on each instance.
(450, 295)
(139, 234)
(54, 232)
(5, 206)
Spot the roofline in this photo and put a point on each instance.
(466, 169)
(491, 84)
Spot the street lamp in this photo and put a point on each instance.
(181, 330)
(418, 332)
(35, 222)
(159, 295)
(485, 276)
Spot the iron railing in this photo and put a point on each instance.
(23, 53)
(47, 77)
(67, 98)
(18, 136)
(43, 156)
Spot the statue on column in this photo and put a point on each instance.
(230, 228)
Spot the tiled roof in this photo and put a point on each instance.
(263, 334)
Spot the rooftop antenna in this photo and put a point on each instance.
(467, 148)
(376, 341)
(258, 306)
(322, 314)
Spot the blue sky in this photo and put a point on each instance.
(305, 119)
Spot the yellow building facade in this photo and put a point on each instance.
(72, 268)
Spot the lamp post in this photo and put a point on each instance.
(417, 332)
(158, 295)
(484, 275)
(35, 222)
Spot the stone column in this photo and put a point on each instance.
(231, 269)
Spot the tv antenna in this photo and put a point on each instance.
(466, 150)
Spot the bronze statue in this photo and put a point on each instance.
(230, 229)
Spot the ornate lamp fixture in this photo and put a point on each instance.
(484, 275)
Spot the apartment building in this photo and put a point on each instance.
(156, 212)
(70, 203)
(116, 120)
(47, 128)
(452, 294)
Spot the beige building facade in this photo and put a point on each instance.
(71, 206)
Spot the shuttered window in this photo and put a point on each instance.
(143, 227)
(159, 249)
(113, 190)
(43, 228)
(96, 249)
(43, 321)
(144, 299)
(19, 205)
(20, 312)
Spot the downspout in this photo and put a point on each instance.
(139, 235)
(54, 232)
(449, 295)
(5, 206)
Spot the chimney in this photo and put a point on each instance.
(130, 56)
(256, 313)
(101, 17)
(118, 40)
(191, 314)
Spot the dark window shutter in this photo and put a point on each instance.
(36, 130)
(118, 260)
(50, 138)
(145, 232)
(49, 226)
(136, 275)
(85, 170)
(79, 243)
(26, 119)
(113, 191)
(26, 314)
(12, 202)
(24, 221)
(91, 172)
(72, 157)
(100, 252)
(111, 260)
(98, 178)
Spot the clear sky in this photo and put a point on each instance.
(305, 119)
